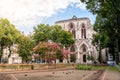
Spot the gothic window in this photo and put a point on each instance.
(84, 49)
(73, 32)
(77, 26)
(71, 29)
(72, 49)
(71, 25)
(83, 31)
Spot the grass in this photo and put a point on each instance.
(98, 67)
(90, 67)
(112, 68)
(83, 67)
(115, 68)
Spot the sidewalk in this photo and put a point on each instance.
(112, 75)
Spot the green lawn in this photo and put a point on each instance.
(90, 67)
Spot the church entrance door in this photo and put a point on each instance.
(84, 58)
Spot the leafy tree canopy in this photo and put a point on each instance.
(54, 33)
(8, 34)
(107, 23)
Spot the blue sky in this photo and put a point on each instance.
(25, 14)
(68, 13)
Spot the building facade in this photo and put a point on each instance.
(11, 57)
(82, 31)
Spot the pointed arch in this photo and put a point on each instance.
(85, 43)
(72, 48)
(71, 28)
(83, 48)
(83, 31)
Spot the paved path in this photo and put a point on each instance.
(48, 75)
(112, 75)
(58, 74)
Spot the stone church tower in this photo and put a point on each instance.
(82, 31)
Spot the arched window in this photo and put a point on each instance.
(84, 49)
(72, 29)
(83, 31)
(72, 49)
(73, 32)
(71, 25)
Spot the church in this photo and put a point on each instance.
(82, 31)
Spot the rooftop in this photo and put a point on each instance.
(72, 19)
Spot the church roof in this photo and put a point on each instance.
(72, 19)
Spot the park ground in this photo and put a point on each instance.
(62, 74)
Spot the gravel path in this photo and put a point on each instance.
(6, 77)
(61, 75)
(54, 75)
(96, 75)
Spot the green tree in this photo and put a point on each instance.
(66, 39)
(25, 47)
(8, 35)
(61, 36)
(42, 32)
(54, 33)
(107, 22)
(72, 58)
(59, 55)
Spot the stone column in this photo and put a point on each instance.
(78, 56)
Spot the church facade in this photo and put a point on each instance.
(82, 31)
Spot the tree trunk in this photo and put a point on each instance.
(1, 53)
(9, 52)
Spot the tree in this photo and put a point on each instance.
(47, 50)
(107, 22)
(42, 32)
(54, 33)
(66, 54)
(25, 47)
(8, 35)
(61, 36)
(72, 58)
(59, 55)
(66, 39)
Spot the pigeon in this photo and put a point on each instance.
(25, 75)
(53, 72)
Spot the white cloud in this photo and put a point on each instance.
(81, 5)
(29, 12)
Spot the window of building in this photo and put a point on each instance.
(84, 49)
(72, 29)
(83, 31)
(72, 49)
